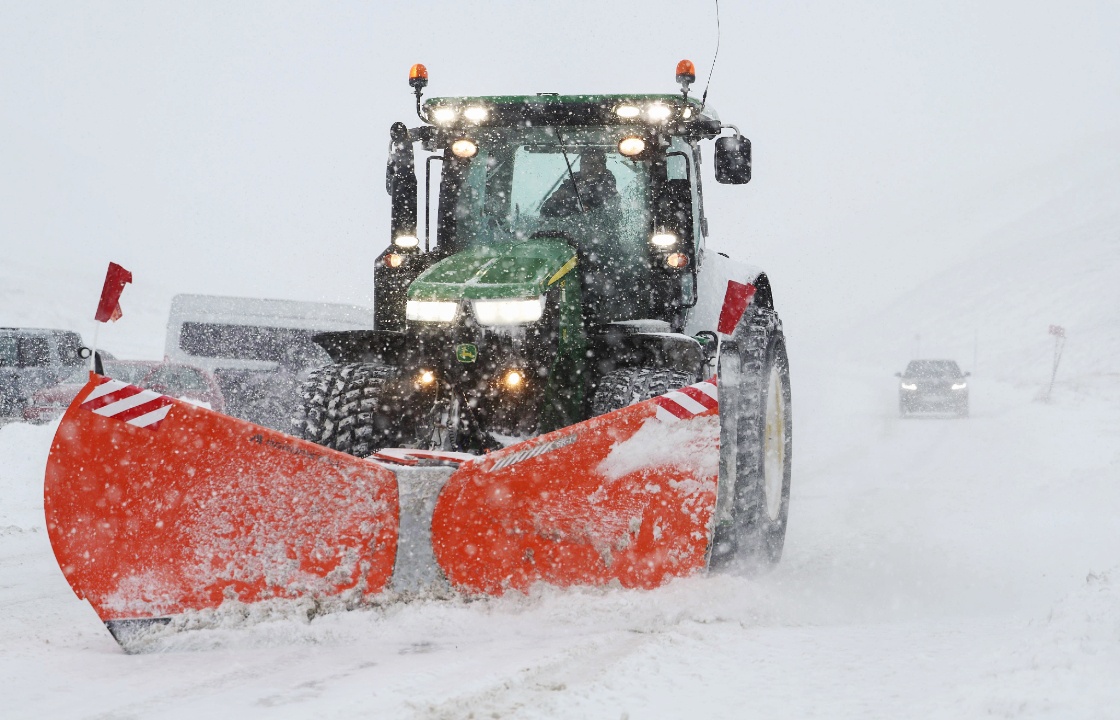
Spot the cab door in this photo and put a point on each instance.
(678, 213)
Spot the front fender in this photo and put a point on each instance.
(711, 280)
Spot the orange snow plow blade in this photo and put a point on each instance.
(626, 496)
(155, 507)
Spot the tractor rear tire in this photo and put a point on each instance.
(757, 442)
(627, 386)
(351, 408)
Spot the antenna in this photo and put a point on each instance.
(712, 69)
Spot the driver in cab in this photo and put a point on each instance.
(594, 187)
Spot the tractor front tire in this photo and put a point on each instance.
(627, 386)
(351, 408)
(756, 445)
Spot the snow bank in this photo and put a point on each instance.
(23, 460)
(1058, 264)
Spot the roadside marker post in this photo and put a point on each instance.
(1059, 334)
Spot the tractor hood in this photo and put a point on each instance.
(496, 272)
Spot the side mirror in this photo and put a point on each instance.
(733, 160)
(84, 352)
(400, 181)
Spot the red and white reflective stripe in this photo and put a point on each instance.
(128, 403)
(688, 402)
(412, 456)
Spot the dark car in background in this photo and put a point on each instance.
(184, 382)
(34, 358)
(933, 386)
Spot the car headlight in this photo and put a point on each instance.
(508, 312)
(909, 386)
(960, 386)
(431, 310)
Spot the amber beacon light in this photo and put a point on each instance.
(418, 76)
(686, 74)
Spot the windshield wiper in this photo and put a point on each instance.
(571, 175)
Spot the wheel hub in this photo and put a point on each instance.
(774, 445)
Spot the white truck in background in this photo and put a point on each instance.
(258, 349)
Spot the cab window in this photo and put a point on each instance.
(9, 351)
(34, 351)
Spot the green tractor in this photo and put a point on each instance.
(563, 272)
(564, 384)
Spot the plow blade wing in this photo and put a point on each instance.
(627, 496)
(155, 507)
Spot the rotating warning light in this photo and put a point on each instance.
(418, 76)
(394, 260)
(631, 146)
(686, 73)
(464, 148)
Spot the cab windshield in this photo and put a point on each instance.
(520, 185)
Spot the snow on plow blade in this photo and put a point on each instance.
(155, 507)
(627, 496)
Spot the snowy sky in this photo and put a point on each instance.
(239, 148)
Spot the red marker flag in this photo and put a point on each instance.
(735, 303)
(110, 306)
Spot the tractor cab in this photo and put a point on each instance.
(615, 177)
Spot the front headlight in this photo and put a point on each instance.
(431, 310)
(960, 386)
(508, 312)
(909, 386)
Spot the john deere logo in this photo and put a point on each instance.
(466, 353)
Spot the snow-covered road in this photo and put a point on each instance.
(934, 568)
